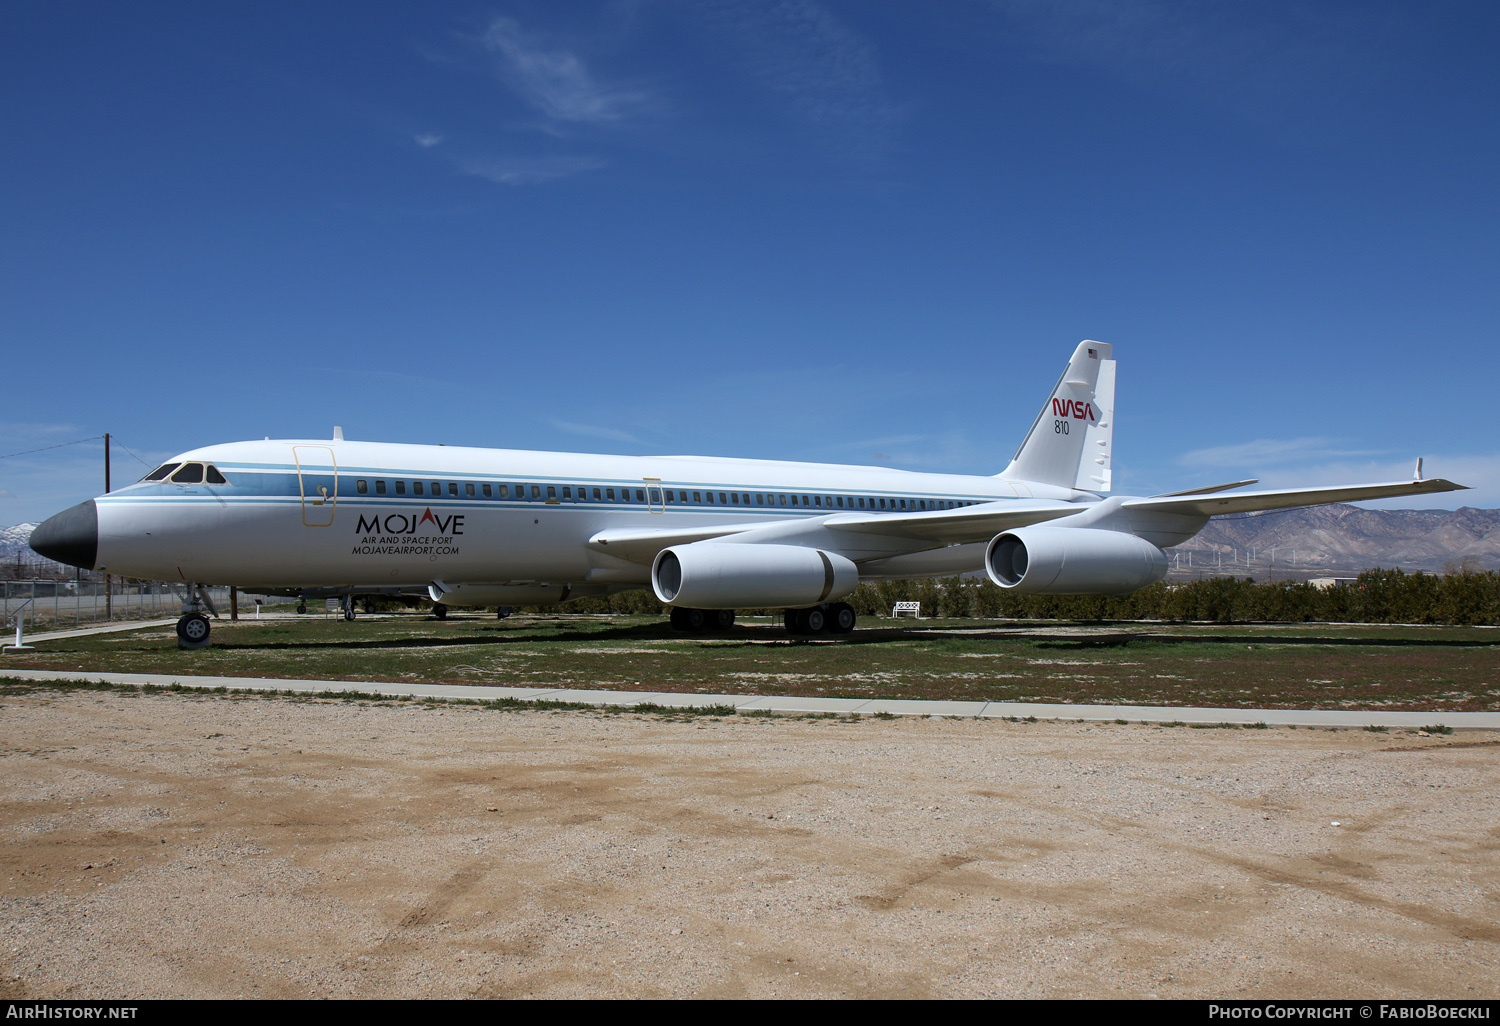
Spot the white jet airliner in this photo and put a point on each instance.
(708, 535)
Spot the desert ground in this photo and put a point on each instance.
(179, 845)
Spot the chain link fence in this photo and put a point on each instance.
(51, 604)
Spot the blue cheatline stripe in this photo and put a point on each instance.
(283, 480)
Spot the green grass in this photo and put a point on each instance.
(1293, 666)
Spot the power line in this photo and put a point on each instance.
(59, 445)
(137, 458)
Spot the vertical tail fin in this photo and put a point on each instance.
(1071, 443)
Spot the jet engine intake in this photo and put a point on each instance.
(718, 575)
(1072, 561)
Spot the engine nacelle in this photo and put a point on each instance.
(718, 575)
(1072, 561)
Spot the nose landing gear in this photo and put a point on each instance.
(193, 627)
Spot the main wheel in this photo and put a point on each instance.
(815, 620)
(501, 612)
(193, 630)
(841, 618)
(721, 619)
(440, 611)
(685, 619)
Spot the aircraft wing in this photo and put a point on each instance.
(640, 545)
(1247, 502)
(924, 530)
(978, 523)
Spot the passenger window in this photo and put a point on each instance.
(469, 489)
(453, 489)
(161, 472)
(698, 498)
(536, 491)
(655, 496)
(723, 499)
(437, 488)
(734, 497)
(503, 491)
(609, 493)
(551, 493)
(361, 486)
(567, 493)
(596, 495)
(379, 487)
(416, 487)
(487, 491)
(400, 487)
(191, 473)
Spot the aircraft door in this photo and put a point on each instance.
(319, 484)
(654, 499)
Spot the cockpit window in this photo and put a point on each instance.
(213, 476)
(161, 472)
(191, 473)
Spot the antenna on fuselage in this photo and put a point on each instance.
(338, 433)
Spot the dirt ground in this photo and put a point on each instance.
(178, 846)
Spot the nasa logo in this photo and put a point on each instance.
(1073, 408)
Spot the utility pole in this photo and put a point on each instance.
(109, 597)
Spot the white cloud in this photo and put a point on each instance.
(556, 81)
(529, 170)
(427, 140)
(596, 431)
(1269, 450)
(1262, 60)
(828, 74)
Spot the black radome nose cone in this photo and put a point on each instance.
(70, 537)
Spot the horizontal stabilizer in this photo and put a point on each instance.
(1249, 502)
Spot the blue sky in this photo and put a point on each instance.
(865, 232)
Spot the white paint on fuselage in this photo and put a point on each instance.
(252, 534)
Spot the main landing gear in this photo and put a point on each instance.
(831, 618)
(440, 611)
(699, 620)
(193, 627)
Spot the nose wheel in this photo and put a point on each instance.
(192, 631)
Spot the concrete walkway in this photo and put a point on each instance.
(1344, 718)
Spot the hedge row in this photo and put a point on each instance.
(1377, 596)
